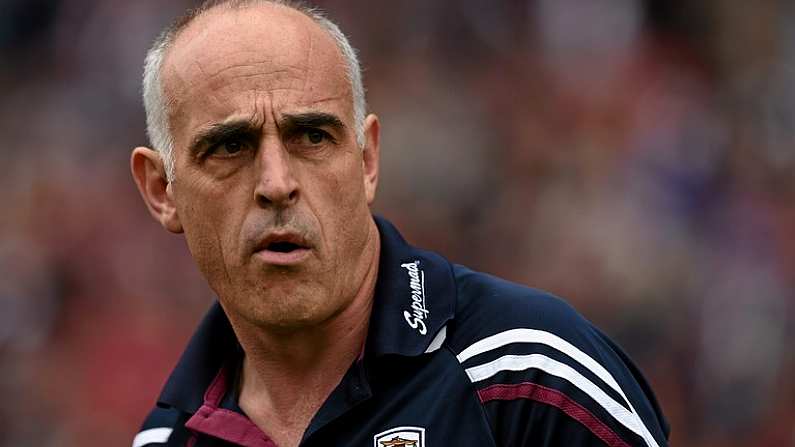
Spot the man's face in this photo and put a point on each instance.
(270, 187)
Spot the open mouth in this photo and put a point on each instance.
(283, 247)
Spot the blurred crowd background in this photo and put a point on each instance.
(635, 157)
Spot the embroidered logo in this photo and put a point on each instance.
(419, 312)
(400, 437)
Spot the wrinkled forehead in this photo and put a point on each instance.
(267, 48)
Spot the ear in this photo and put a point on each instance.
(150, 176)
(370, 156)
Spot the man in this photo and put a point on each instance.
(330, 329)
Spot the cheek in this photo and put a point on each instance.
(210, 232)
(348, 181)
(348, 208)
(204, 241)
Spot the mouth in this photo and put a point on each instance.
(283, 249)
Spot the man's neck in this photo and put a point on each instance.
(286, 377)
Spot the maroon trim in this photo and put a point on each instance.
(225, 424)
(557, 399)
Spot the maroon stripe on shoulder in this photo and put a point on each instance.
(549, 396)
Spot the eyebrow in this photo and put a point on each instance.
(311, 119)
(220, 132)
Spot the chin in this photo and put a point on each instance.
(286, 312)
(289, 324)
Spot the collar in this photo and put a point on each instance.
(210, 347)
(415, 296)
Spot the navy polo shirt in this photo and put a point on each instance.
(452, 357)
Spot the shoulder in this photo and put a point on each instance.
(528, 352)
(487, 304)
(492, 313)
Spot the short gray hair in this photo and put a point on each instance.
(157, 105)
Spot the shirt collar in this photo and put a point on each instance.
(211, 345)
(415, 296)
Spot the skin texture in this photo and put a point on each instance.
(301, 320)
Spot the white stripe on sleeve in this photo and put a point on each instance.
(546, 338)
(558, 369)
(152, 435)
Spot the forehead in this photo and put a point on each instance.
(228, 59)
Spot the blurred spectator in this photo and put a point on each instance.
(635, 157)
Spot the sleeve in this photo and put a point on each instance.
(158, 428)
(527, 422)
(546, 377)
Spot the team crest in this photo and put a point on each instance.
(400, 437)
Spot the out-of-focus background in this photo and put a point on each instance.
(635, 157)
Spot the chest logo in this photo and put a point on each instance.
(400, 437)
(419, 312)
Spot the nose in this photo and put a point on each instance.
(277, 185)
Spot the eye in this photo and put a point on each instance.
(226, 149)
(310, 137)
(315, 136)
